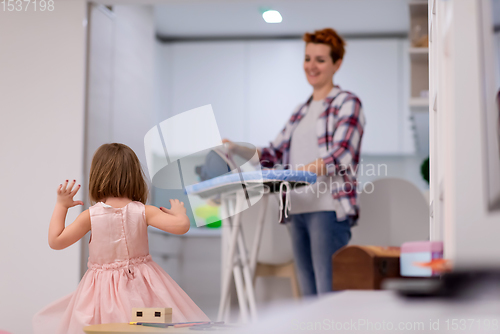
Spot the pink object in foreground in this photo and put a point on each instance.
(428, 255)
(422, 246)
(4, 332)
(121, 276)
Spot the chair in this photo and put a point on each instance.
(275, 256)
(395, 212)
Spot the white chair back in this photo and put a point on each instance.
(395, 212)
(275, 245)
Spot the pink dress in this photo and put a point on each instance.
(121, 275)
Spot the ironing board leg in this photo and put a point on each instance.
(248, 277)
(242, 301)
(231, 267)
(225, 308)
(227, 312)
(227, 260)
(237, 275)
(258, 234)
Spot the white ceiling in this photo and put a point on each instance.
(226, 18)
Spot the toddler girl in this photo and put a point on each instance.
(121, 274)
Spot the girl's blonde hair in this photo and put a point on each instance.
(116, 172)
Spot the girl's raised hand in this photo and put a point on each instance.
(176, 208)
(65, 193)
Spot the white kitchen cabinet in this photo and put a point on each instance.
(372, 69)
(276, 85)
(254, 86)
(165, 251)
(211, 73)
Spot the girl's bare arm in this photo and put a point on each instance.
(61, 236)
(173, 220)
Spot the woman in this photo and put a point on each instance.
(323, 136)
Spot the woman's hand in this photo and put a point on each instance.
(242, 151)
(318, 167)
(230, 146)
(176, 208)
(65, 194)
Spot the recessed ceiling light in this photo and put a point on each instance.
(272, 16)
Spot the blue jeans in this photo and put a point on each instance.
(315, 237)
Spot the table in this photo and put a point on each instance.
(127, 329)
(239, 191)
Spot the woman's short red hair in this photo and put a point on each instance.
(329, 37)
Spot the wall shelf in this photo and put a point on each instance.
(418, 50)
(419, 102)
(419, 55)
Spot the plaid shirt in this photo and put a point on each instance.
(339, 130)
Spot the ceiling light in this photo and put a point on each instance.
(272, 16)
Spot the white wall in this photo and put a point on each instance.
(465, 94)
(133, 85)
(121, 82)
(373, 167)
(42, 131)
(42, 75)
(126, 93)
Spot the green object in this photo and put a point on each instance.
(424, 170)
(210, 214)
(205, 211)
(216, 222)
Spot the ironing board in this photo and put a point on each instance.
(235, 259)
